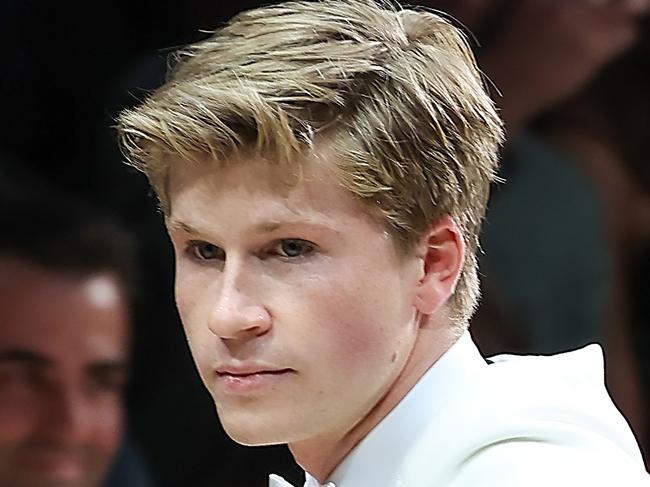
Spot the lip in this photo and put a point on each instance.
(246, 380)
(55, 464)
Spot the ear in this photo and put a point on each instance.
(442, 253)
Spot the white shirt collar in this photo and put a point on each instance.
(312, 482)
(378, 456)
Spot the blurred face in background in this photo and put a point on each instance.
(63, 341)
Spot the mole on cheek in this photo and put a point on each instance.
(393, 358)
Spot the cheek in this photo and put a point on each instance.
(194, 290)
(351, 332)
(18, 414)
(355, 324)
(185, 290)
(190, 297)
(193, 304)
(109, 424)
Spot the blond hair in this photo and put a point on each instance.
(394, 93)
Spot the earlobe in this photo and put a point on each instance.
(442, 252)
(425, 302)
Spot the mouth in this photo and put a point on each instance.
(245, 382)
(55, 464)
(245, 373)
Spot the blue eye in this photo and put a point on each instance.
(206, 251)
(293, 247)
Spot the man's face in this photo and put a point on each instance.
(62, 367)
(297, 308)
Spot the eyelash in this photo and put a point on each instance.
(192, 249)
(310, 247)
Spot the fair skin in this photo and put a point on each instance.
(63, 342)
(306, 324)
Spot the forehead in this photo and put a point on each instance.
(63, 317)
(259, 191)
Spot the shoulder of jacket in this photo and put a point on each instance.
(555, 405)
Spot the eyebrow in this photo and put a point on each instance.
(272, 226)
(24, 356)
(179, 225)
(117, 366)
(265, 227)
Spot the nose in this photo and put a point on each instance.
(236, 314)
(68, 415)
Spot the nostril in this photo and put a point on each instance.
(259, 318)
(237, 322)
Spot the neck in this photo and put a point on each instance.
(320, 456)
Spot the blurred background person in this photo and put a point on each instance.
(65, 281)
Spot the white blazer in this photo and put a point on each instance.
(520, 421)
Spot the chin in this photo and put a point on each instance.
(257, 430)
(247, 436)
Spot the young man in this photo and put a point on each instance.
(324, 168)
